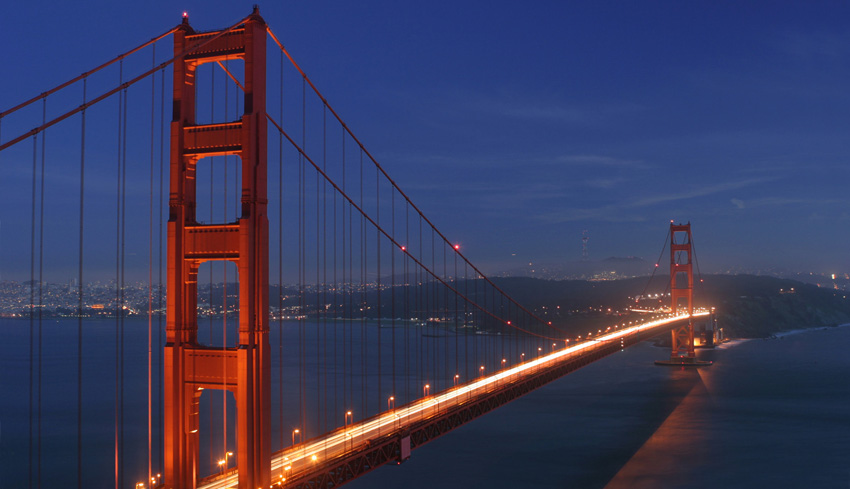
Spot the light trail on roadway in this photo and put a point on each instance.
(302, 458)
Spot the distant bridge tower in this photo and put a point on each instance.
(682, 297)
(190, 367)
(682, 289)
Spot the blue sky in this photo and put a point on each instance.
(517, 125)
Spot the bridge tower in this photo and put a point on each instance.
(191, 367)
(682, 290)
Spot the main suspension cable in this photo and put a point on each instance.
(86, 74)
(117, 89)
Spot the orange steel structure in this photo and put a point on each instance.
(191, 367)
(683, 336)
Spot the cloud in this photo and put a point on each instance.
(738, 202)
(561, 114)
(699, 191)
(600, 160)
(624, 212)
(604, 183)
(782, 201)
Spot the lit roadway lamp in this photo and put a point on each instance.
(503, 362)
(457, 378)
(223, 464)
(390, 403)
(349, 419)
(426, 389)
(522, 357)
(153, 481)
(481, 368)
(296, 432)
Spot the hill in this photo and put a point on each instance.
(746, 305)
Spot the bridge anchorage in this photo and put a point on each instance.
(682, 299)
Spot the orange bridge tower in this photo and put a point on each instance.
(191, 367)
(682, 296)
(682, 290)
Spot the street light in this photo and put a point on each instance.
(296, 432)
(349, 418)
(390, 403)
(539, 350)
(481, 368)
(522, 357)
(223, 464)
(503, 362)
(425, 390)
(457, 378)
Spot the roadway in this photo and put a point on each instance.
(301, 459)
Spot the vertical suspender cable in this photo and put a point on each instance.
(280, 262)
(445, 319)
(321, 294)
(212, 220)
(117, 277)
(346, 312)
(150, 275)
(32, 308)
(224, 266)
(123, 260)
(378, 281)
(363, 308)
(41, 282)
(457, 324)
(335, 311)
(321, 415)
(407, 314)
(302, 217)
(466, 322)
(159, 265)
(392, 290)
(433, 309)
(422, 316)
(80, 296)
(325, 262)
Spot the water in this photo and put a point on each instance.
(336, 380)
(772, 413)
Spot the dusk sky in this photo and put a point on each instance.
(517, 125)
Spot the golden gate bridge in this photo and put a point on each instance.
(398, 337)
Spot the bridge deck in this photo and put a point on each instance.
(353, 450)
